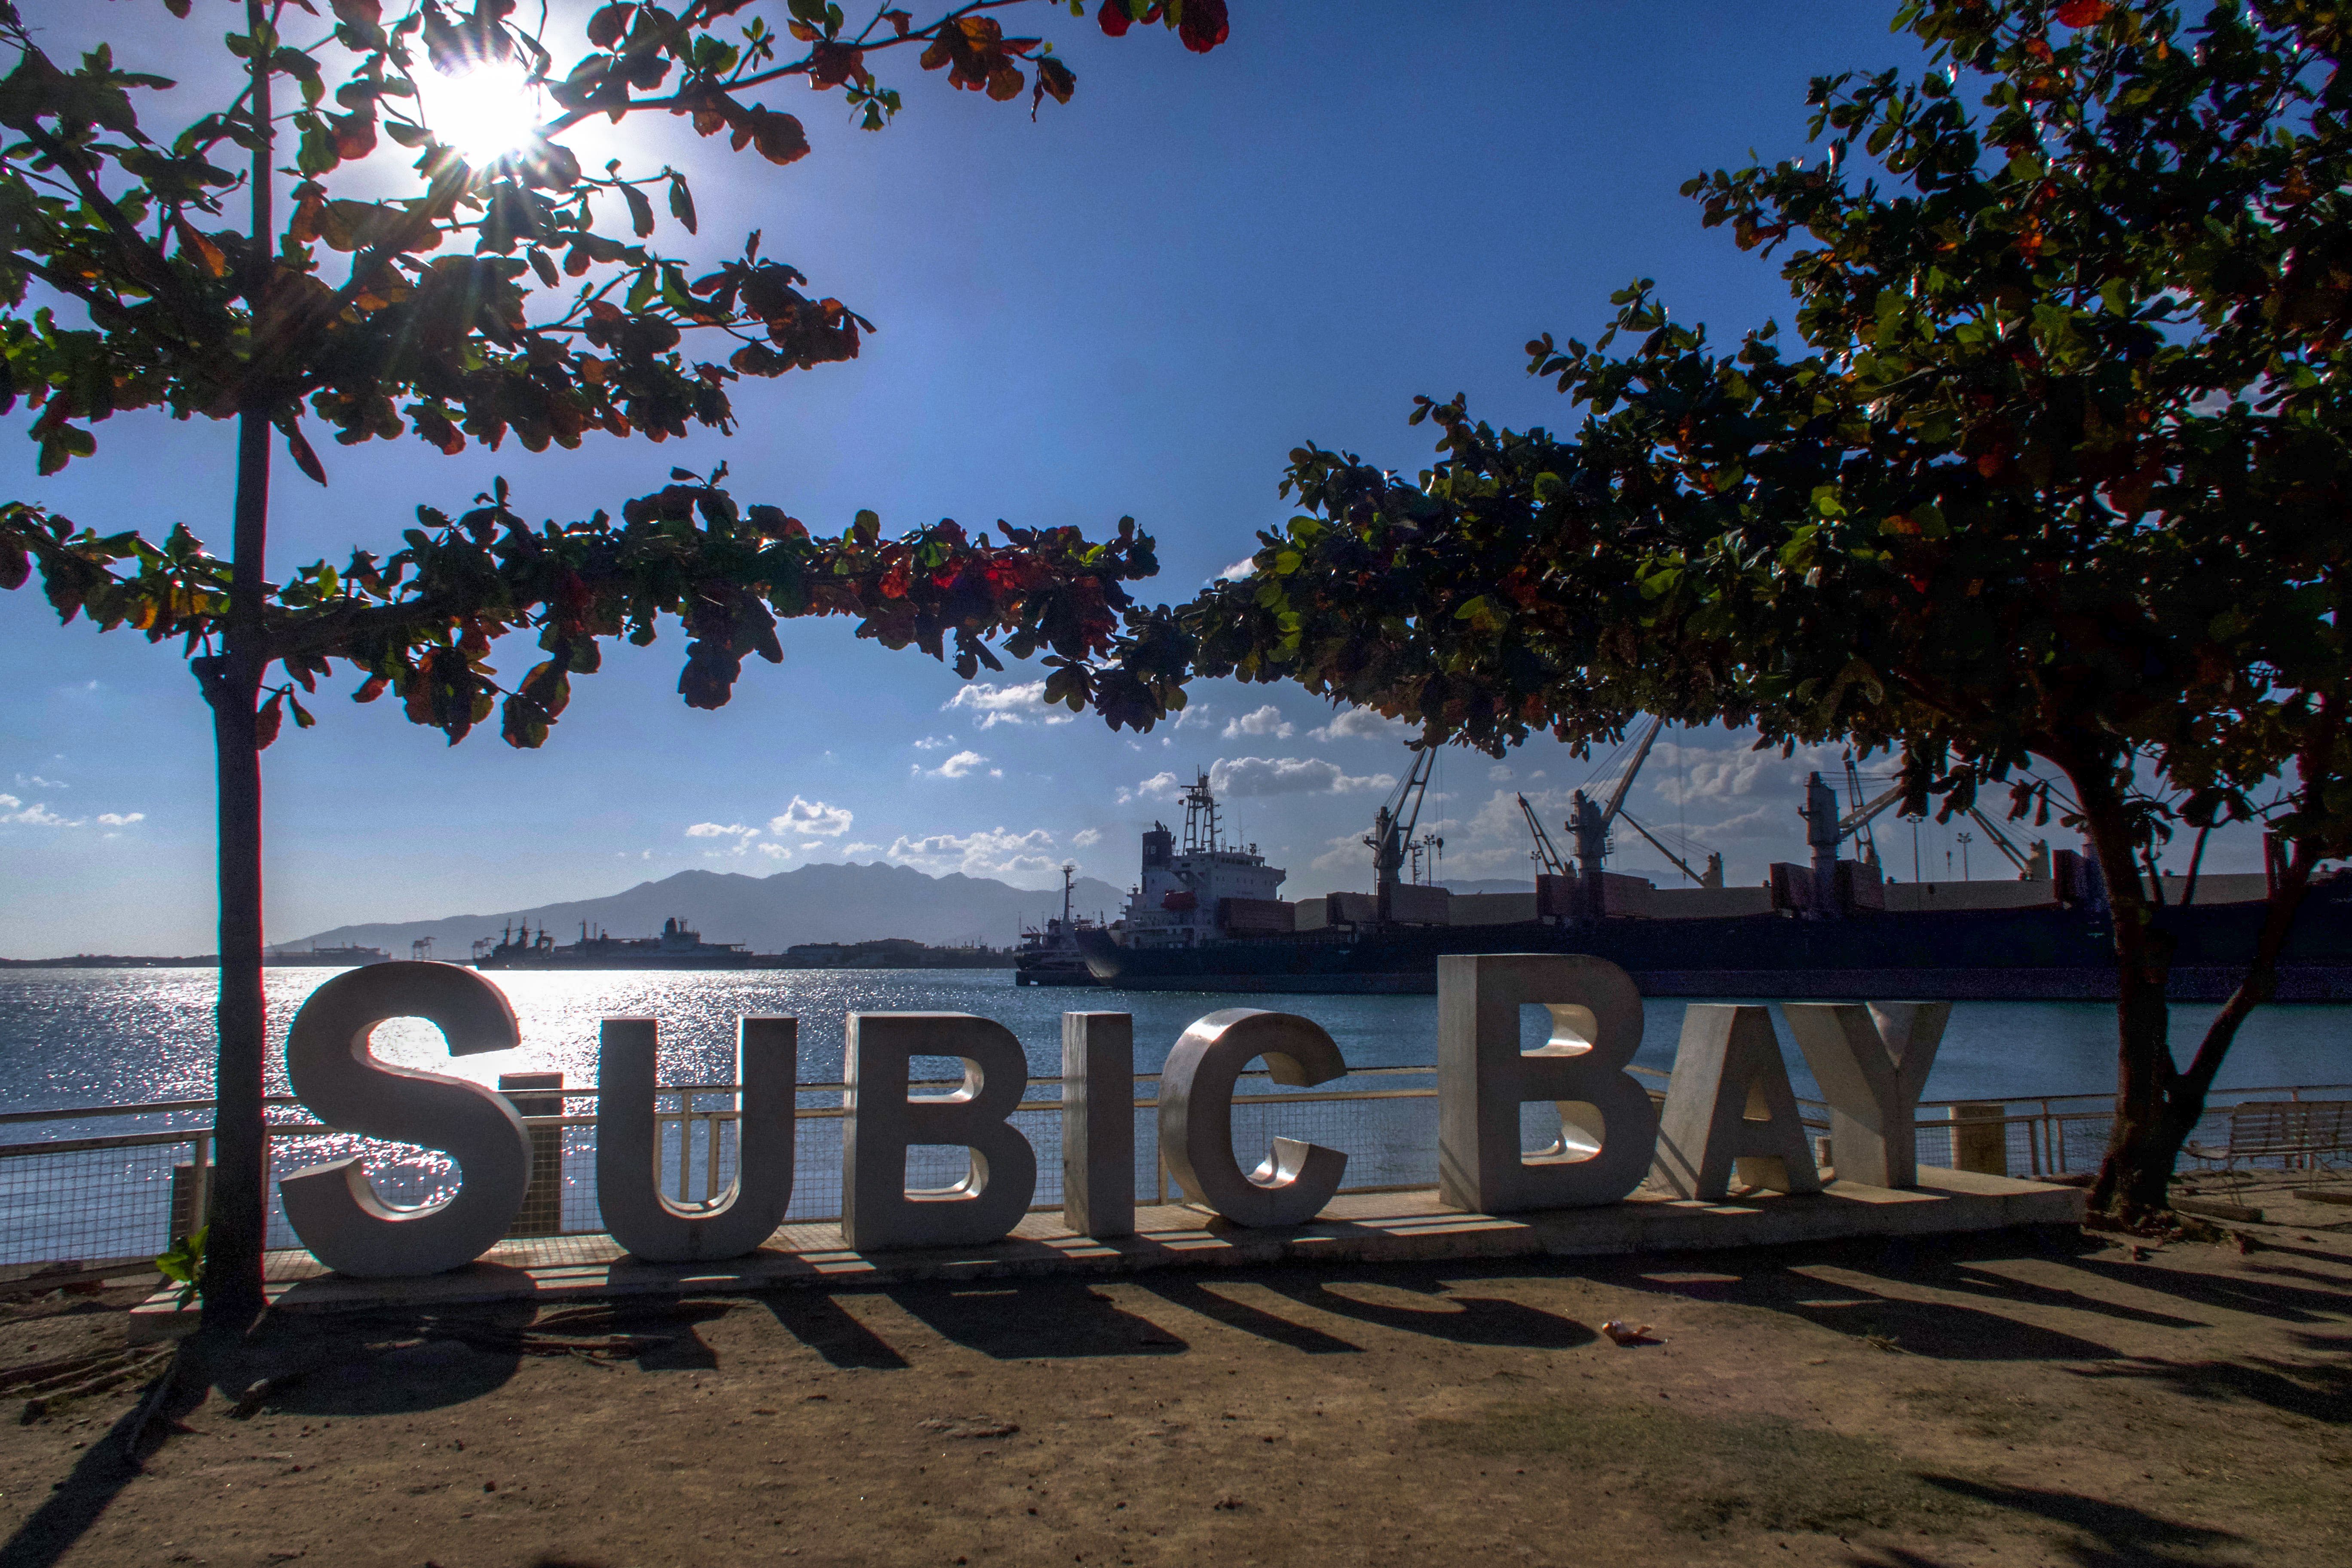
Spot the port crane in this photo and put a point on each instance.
(1390, 839)
(1546, 858)
(1590, 823)
(1855, 824)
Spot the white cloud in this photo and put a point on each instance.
(1348, 856)
(1500, 773)
(776, 851)
(991, 852)
(851, 851)
(35, 781)
(1244, 568)
(932, 742)
(1234, 777)
(1087, 837)
(120, 819)
(810, 819)
(1359, 724)
(722, 830)
(955, 767)
(1158, 787)
(38, 815)
(1024, 704)
(1265, 721)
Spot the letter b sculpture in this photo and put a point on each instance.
(1483, 1078)
(883, 1122)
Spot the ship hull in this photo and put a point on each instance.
(1054, 976)
(1998, 955)
(680, 961)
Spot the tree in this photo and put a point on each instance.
(2049, 493)
(500, 297)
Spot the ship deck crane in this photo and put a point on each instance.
(1590, 821)
(1546, 857)
(1393, 826)
(1711, 877)
(2004, 843)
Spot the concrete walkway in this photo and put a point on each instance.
(1357, 1227)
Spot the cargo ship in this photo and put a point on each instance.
(1204, 916)
(678, 947)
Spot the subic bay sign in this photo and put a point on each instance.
(1729, 1110)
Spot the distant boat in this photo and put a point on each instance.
(349, 955)
(680, 946)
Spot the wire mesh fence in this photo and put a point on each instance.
(127, 1196)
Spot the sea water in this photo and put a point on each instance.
(71, 1037)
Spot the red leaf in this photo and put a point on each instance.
(2074, 13)
(605, 28)
(304, 458)
(1114, 18)
(1204, 25)
(831, 64)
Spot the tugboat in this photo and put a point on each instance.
(1051, 956)
(680, 946)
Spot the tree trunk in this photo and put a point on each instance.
(2185, 1105)
(233, 1292)
(2137, 1171)
(239, 1214)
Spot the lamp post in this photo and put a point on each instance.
(1964, 840)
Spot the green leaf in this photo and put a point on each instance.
(183, 1263)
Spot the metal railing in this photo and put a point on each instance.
(106, 1196)
(2056, 1134)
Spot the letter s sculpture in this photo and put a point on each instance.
(332, 1208)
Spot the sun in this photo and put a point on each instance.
(485, 112)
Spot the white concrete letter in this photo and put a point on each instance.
(1098, 1123)
(1872, 1062)
(332, 1208)
(876, 1208)
(1196, 1116)
(637, 1213)
(1483, 1078)
(1730, 1108)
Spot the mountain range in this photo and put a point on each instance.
(845, 902)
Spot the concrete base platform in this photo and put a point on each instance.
(1359, 1227)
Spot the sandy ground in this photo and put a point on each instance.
(2012, 1398)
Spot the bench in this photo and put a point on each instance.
(2310, 1130)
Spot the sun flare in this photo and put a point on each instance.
(483, 112)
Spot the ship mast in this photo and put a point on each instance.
(1200, 817)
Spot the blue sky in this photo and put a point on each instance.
(1138, 305)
